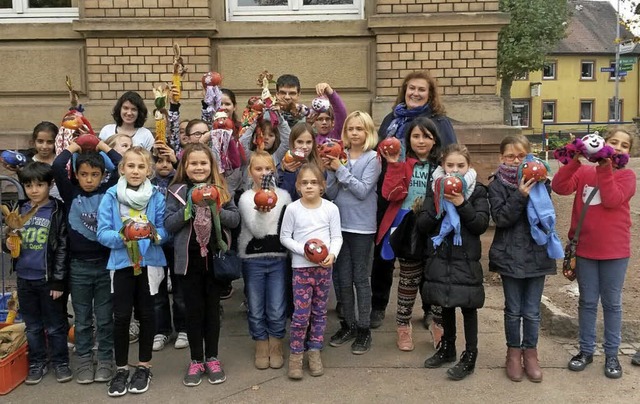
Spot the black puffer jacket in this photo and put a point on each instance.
(453, 274)
(513, 252)
(57, 247)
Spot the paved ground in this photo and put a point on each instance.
(383, 375)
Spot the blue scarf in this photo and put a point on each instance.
(542, 218)
(402, 116)
(451, 220)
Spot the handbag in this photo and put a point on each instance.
(406, 242)
(569, 262)
(227, 266)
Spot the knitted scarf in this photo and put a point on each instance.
(508, 176)
(451, 221)
(402, 116)
(138, 199)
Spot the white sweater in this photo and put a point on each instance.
(301, 224)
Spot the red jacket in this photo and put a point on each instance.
(395, 189)
(606, 229)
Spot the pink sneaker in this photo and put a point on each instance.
(214, 370)
(405, 340)
(194, 374)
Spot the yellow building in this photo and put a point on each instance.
(578, 83)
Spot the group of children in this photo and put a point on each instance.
(118, 238)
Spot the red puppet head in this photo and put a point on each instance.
(315, 250)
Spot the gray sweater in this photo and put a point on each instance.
(352, 188)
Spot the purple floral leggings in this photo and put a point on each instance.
(310, 294)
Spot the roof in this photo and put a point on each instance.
(592, 29)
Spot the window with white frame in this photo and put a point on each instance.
(612, 113)
(38, 10)
(586, 110)
(549, 71)
(587, 68)
(520, 112)
(548, 111)
(290, 10)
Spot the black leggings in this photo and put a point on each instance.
(201, 293)
(470, 326)
(130, 291)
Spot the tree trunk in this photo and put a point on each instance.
(505, 94)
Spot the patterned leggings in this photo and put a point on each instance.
(408, 285)
(311, 287)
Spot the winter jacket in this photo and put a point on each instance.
(110, 224)
(513, 252)
(57, 271)
(182, 229)
(453, 274)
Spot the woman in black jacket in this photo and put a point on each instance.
(453, 273)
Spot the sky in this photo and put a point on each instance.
(626, 11)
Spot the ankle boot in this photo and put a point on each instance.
(446, 353)
(276, 357)
(262, 354)
(295, 366)
(514, 364)
(531, 365)
(315, 363)
(464, 367)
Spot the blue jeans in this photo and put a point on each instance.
(522, 309)
(90, 285)
(41, 313)
(601, 279)
(354, 268)
(264, 286)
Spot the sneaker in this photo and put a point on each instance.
(362, 344)
(159, 341)
(227, 292)
(85, 373)
(214, 370)
(635, 360)
(118, 385)
(194, 374)
(612, 368)
(580, 361)
(140, 380)
(36, 373)
(63, 372)
(405, 340)
(345, 333)
(182, 341)
(376, 318)
(134, 331)
(104, 372)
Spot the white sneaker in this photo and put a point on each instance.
(159, 342)
(182, 341)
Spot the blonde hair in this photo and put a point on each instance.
(515, 140)
(369, 128)
(453, 149)
(265, 157)
(140, 151)
(214, 177)
(113, 139)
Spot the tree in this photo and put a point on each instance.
(630, 17)
(536, 27)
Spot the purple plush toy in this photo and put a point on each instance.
(594, 148)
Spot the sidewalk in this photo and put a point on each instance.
(383, 375)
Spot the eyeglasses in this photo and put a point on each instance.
(512, 157)
(197, 134)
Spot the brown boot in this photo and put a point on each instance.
(315, 363)
(276, 357)
(295, 366)
(531, 365)
(262, 354)
(514, 364)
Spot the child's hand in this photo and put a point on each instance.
(10, 243)
(416, 207)
(164, 150)
(330, 162)
(525, 187)
(173, 93)
(73, 147)
(391, 158)
(55, 294)
(263, 209)
(456, 198)
(328, 262)
(324, 89)
(604, 162)
(292, 166)
(102, 146)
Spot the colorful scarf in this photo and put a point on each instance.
(508, 176)
(402, 117)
